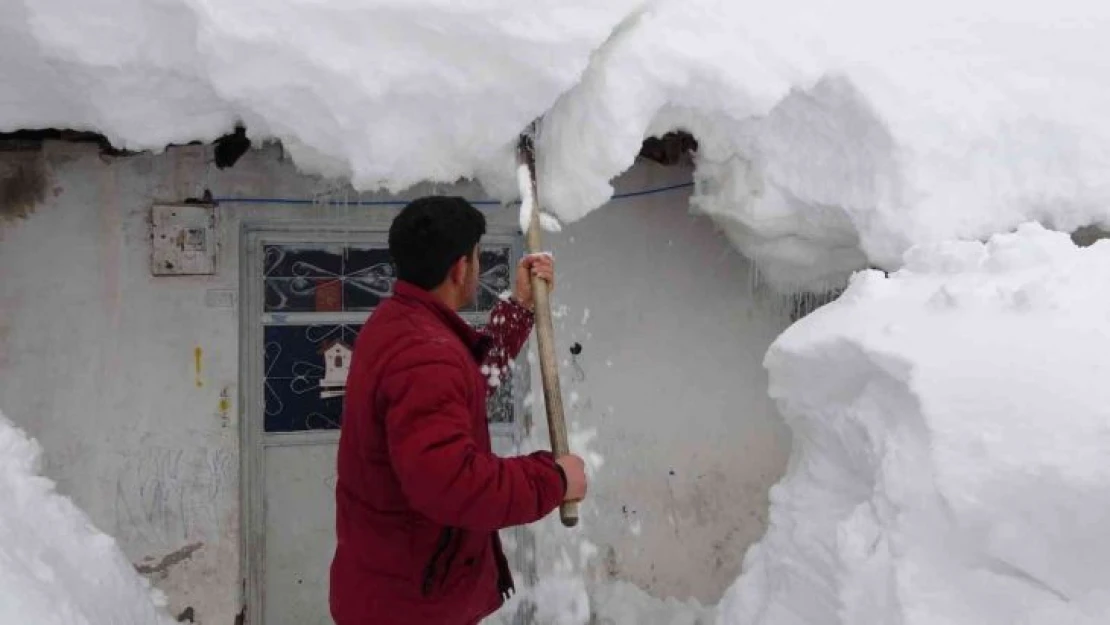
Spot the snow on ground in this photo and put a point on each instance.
(833, 136)
(621, 602)
(951, 425)
(55, 567)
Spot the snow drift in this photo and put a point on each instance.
(951, 424)
(833, 136)
(387, 92)
(836, 135)
(55, 567)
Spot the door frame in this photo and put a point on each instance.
(253, 440)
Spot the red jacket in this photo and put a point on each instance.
(420, 495)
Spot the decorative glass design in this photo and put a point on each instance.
(294, 365)
(338, 278)
(326, 278)
(500, 407)
(495, 275)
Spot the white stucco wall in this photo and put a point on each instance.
(99, 366)
(670, 377)
(97, 361)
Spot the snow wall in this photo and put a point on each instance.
(951, 423)
(833, 136)
(56, 568)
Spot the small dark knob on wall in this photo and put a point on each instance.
(576, 349)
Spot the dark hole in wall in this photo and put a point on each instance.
(1089, 235)
(228, 148)
(32, 138)
(672, 148)
(22, 183)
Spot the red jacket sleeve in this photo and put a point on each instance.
(442, 472)
(509, 326)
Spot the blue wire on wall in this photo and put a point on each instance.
(269, 200)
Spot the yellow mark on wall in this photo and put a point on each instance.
(224, 406)
(197, 354)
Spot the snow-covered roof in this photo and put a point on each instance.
(832, 136)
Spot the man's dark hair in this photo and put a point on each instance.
(430, 234)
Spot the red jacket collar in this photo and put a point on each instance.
(406, 292)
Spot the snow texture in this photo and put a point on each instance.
(620, 602)
(387, 92)
(547, 221)
(527, 198)
(951, 424)
(832, 136)
(55, 567)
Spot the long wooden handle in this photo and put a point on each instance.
(545, 333)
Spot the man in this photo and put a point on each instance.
(420, 496)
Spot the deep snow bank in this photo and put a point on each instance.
(389, 92)
(951, 427)
(837, 134)
(55, 567)
(832, 135)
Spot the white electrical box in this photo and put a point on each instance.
(183, 239)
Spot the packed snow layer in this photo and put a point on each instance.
(832, 136)
(388, 92)
(835, 135)
(951, 427)
(55, 567)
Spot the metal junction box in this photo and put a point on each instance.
(183, 239)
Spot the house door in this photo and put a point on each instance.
(306, 294)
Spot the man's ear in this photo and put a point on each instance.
(457, 273)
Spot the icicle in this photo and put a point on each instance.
(793, 305)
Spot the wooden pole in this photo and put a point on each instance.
(545, 333)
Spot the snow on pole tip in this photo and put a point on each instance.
(528, 203)
(549, 223)
(527, 199)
